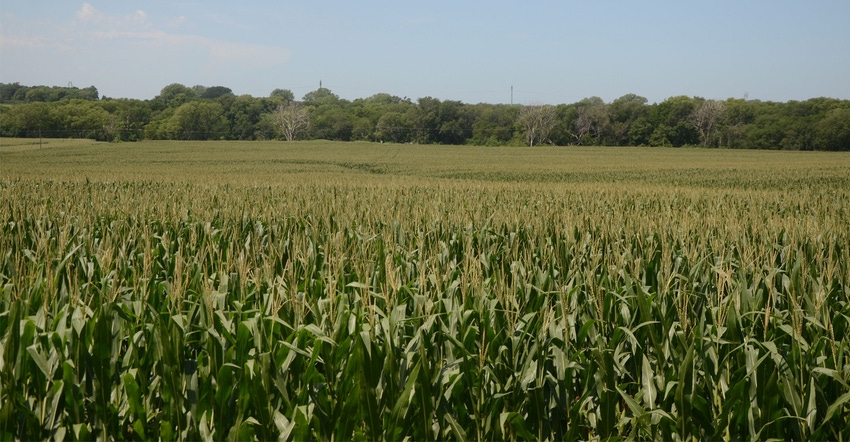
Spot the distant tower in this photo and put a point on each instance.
(746, 96)
(320, 84)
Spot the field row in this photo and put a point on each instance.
(264, 164)
(424, 309)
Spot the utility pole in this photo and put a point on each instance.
(512, 95)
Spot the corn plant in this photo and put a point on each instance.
(443, 309)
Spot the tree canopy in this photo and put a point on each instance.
(200, 112)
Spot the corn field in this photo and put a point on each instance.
(430, 307)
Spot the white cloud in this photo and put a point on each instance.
(90, 16)
(218, 53)
(11, 41)
(136, 29)
(175, 22)
(87, 12)
(127, 54)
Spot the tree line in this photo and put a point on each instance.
(204, 113)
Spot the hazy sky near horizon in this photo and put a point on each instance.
(472, 51)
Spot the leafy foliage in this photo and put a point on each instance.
(427, 309)
(815, 124)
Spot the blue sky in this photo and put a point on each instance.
(473, 51)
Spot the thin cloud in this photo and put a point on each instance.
(218, 52)
(175, 22)
(10, 41)
(90, 16)
(137, 29)
(250, 54)
(87, 12)
(90, 26)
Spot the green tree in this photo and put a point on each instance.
(454, 121)
(83, 119)
(592, 122)
(628, 120)
(320, 96)
(131, 117)
(661, 135)
(284, 94)
(199, 120)
(214, 92)
(8, 91)
(670, 118)
(39, 94)
(562, 132)
(174, 95)
(767, 129)
(330, 122)
(833, 131)
(427, 120)
(34, 120)
(394, 126)
(739, 114)
(494, 125)
(362, 128)
(90, 93)
(199, 89)
(384, 99)
(244, 114)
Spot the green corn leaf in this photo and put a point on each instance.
(55, 397)
(812, 405)
(836, 406)
(40, 361)
(517, 423)
(457, 431)
(400, 408)
(648, 383)
(637, 410)
(134, 395)
(684, 398)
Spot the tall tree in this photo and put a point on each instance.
(628, 123)
(394, 126)
(833, 132)
(33, 120)
(289, 119)
(455, 122)
(320, 96)
(706, 117)
(428, 120)
(330, 122)
(174, 95)
(199, 120)
(211, 93)
(538, 121)
(672, 127)
(494, 125)
(244, 115)
(592, 120)
(284, 94)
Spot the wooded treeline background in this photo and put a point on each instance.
(207, 113)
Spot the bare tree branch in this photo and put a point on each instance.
(706, 117)
(538, 121)
(290, 118)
